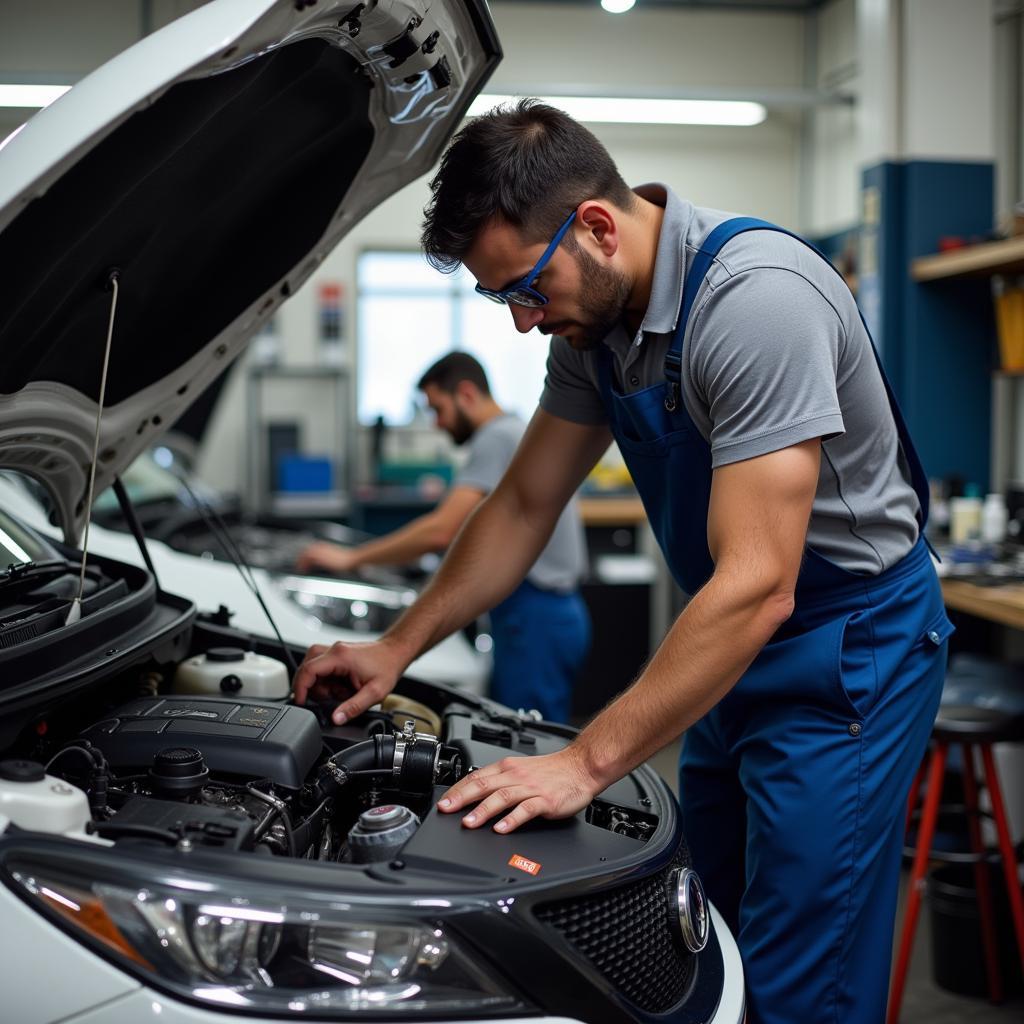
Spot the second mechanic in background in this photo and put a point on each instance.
(542, 630)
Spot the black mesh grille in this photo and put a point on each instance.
(625, 933)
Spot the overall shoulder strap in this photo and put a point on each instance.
(702, 261)
(709, 249)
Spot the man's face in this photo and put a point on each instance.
(449, 415)
(586, 296)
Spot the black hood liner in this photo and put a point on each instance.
(203, 201)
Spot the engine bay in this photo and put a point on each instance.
(255, 776)
(270, 779)
(168, 727)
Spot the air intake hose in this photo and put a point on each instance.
(410, 761)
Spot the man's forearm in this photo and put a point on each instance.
(490, 557)
(709, 647)
(422, 536)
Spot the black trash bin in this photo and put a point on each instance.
(958, 955)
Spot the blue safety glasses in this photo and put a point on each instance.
(522, 293)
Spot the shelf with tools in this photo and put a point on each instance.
(1000, 262)
(982, 260)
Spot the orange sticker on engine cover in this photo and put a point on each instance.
(531, 867)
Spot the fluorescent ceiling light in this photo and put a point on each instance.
(624, 110)
(30, 95)
(617, 6)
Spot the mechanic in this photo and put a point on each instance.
(729, 362)
(541, 631)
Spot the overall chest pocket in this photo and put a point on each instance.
(643, 424)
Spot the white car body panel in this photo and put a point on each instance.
(209, 583)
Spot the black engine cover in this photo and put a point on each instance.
(254, 739)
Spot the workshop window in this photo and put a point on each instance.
(409, 315)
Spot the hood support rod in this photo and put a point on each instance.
(132, 519)
(75, 611)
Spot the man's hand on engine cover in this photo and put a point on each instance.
(549, 786)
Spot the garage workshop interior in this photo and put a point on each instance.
(512, 511)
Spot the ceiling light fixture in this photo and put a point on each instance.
(30, 95)
(627, 110)
(617, 6)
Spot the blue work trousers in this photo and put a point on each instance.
(541, 639)
(794, 789)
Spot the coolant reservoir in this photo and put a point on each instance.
(232, 672)
(33, 800)
(381, 832)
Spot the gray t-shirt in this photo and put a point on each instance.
(562, 562)
(775, 353)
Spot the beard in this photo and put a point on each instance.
(462, 431)
(603, 296)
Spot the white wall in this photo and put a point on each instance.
(660, 47)
(834, 173)
(948, 80)
(1009, 104)
(927, 79)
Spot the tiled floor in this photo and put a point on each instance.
(923, 1002)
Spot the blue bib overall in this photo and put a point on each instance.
(793, 786)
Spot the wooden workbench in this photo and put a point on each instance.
(617, 511)
(1003, 604)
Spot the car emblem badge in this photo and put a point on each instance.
(691, 909)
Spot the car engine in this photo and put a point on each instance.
(246, 775)
(268, 778)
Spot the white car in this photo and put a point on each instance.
(176, 853)
(305, 609)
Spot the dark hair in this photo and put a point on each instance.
(529, 163)
(451, 370)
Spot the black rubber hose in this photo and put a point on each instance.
(370, 755)
(376, 755)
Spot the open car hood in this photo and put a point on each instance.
(213, 166)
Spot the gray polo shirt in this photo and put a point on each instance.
(775, 353)
(562, 562)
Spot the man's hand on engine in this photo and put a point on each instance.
(549, 786)
(332, 673)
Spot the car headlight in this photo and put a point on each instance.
(271, 951)
(362, 607)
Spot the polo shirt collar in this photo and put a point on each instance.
(669, 261)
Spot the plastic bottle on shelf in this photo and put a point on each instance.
(965, 517)
(994, 518)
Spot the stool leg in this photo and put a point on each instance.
(981, 880)
(915, 789)
(1005, 847)
(930, 815)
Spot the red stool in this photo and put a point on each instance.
(973, 728)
